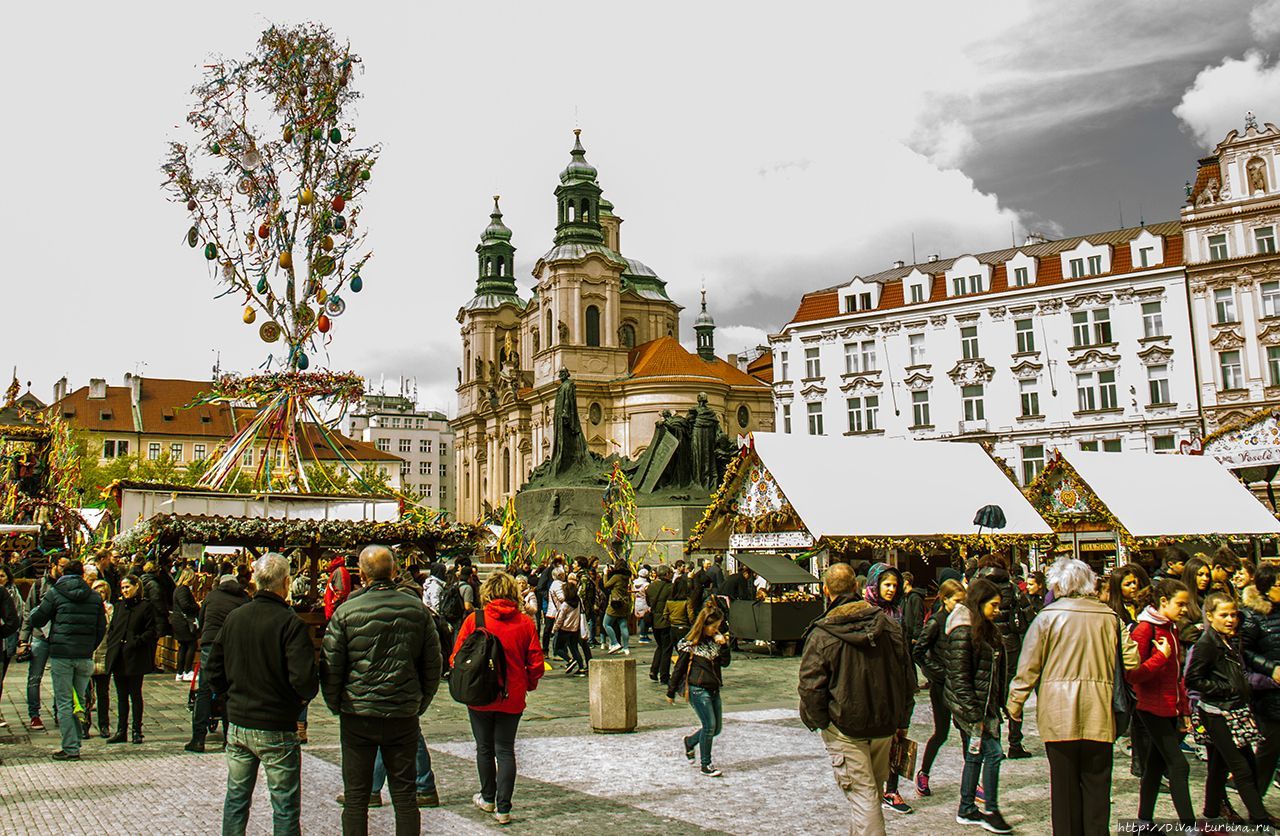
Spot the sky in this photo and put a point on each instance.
(761, 149)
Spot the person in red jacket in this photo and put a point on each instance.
(339, 587)
(1162, 705)
(494, 725)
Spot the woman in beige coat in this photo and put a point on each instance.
(1069, 659)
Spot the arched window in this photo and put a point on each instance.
(550, 331)
(627, 335)
(593, 325)
(488, 266)
(500, 261)
(466, 369)
(537, 345)
(572, 212)
(585, 214)
(506, 470)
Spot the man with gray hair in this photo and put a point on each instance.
(380, 668)
(263, 660)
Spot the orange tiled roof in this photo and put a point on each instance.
(825, 303)
(761, 368)
(665, 357)
(1208, 170)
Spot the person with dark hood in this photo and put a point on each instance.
(884, 591)
(856, 688)
(1012, 620)
(912, 608)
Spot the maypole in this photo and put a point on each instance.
(618, 525)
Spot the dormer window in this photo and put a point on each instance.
(1020, 277)
(105, 415)
(861, 297)
(1086, 260)
(1146, 250)
(916, 286)
(917, 293)
(968, 276)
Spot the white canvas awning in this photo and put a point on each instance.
(875, 487)
(1156, 495)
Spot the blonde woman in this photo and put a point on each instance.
(184, 621)
(101, 679)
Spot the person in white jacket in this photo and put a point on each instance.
(640, 591)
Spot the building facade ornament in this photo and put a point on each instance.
(969, 372)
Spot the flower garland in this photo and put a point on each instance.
(1040, 494)
(618, 524)
(926, 545)
(344, 387)
(720, 500)
(25, 432)
(1236, 426)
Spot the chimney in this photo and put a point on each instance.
(134, 382)
(899, 263)
(933, 258)
(1034, 238)
(60, 389)
(97, 388)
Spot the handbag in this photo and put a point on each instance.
(1122, 699)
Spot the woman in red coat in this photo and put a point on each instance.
(1162, 706)
(494, 725)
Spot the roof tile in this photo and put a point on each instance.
(665, 357)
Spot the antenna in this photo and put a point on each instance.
(913, 248)
(1013, 236)
(1120, 209)
(1142, 216)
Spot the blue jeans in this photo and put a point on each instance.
(35, 673)
(426, 779)
(618, 631)
(70, 676)
(281, 758)
(706, 704)
(986, 762)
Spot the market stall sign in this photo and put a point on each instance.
(1255, 443)
(1069, 498)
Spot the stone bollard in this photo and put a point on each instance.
(612, 684)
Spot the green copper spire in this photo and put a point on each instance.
(578, 199)
(705, 327)
(495, 259)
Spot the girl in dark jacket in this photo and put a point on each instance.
(976, 690)
(884, 591)
(928, 655)
(1162, 705)
(1215, 670)
(183, 619)
(1127, 592)
(131, 654)
(1196, 577)
(703, 654)
(1035, 594)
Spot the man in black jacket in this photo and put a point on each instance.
(77, 622)
(854, 652)
(263, 660)
(379, 669)
(659, 593)
(213, 612)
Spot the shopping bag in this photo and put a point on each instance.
(902, 757)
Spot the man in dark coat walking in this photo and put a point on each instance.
(379, 669)
(217, 605)
(264, 662)
(76, 624)
(853, 652)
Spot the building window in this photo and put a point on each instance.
(424, 446)
(1080, 328)
(1089, 398)
(863, 413)
(1030, 398)
(969, 342)
(1144, 256)
(197, 452)
(426, 490)
(628, 335)
(593, 325)
(405, 469)
(444, 470)
(1158, 384)
(1101, 326)
(917, 293)
(1273, 364)
(1025, 329)
(815, 419)
(1270, 298)
(915, 342)
(1224, 305)
(744, 416)
(175, 452)
(1112, 445)
(420, 423)
(920, 409)
(1077, 268)
(424, 468)
(1095, 265)
(444, 449)
(786, 417)
(812, 363)
(971, 396)
(1021, 277)
(1264, 240)
(850, 304)
(957, 286)
(443, 493)
(383, 444)
(406, 445)
(248, 457)
(1163, 443)
(1032, 462)
(1089, 446)
(782, 366)
(395, 422)
(1217, 247)
(850, 358)
(1100, 332)
(1152, 320)
(1086, 398)
(860, 357)
(153, 450)
(1232, 371)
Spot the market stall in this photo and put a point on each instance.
(792, 600)
(907, 503)
(1250, 448)
(1104, 506)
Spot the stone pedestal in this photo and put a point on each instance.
(668, 527)
(562, 519)
(612, 685)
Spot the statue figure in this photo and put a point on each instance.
(1257, 175)
(563, 331)
(493, 371)
(479, 369)
(510, 355)
(569, 445)
(680, 471)
(706, 429)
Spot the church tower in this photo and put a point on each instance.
(578, 199)
(496, 257)
(705, 327)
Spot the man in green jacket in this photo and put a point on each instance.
(379, 670)
(659, 593)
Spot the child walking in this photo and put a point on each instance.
(704, 653)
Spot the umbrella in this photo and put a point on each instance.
(989, 516)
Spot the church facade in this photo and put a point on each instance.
(605, 318)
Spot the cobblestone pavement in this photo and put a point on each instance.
(777, 777)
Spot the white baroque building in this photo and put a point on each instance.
(1080, 342)
(1230, 224)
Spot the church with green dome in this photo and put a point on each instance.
(592, 310)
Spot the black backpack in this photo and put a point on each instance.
(451, 607)
(479, 674)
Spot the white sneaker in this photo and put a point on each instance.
(614, 649)
(189, 676)
(626, 652)
(502, 818)
(487, 806)
(177, 677)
